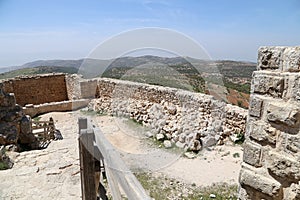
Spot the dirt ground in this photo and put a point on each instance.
(53, 173)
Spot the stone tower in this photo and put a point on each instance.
(271, 163)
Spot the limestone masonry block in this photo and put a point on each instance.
(262, 132)
(260, 183)
(292, 192)
(268, 84)
(255, 106)
(293, 143)
(252, 154)
(270, 58)
(291, 59)
(293, 86)
(88, 88)
(284, 113)
(284, 166)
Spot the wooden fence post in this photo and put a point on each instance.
(87, 163)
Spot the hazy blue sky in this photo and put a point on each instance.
(70, 29)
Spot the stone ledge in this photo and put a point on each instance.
(55, 106)
(260, 183)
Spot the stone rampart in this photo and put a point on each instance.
(271, 162)
(186, 119)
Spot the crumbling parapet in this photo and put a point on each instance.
(271, 162)
(186, 119)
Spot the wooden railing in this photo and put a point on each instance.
(98, 156)
(43, 131)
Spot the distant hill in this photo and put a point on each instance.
(180, 72)
(56, 63)
(38, 70)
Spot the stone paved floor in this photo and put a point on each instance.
(52, 173)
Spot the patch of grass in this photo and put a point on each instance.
(152, 141)
(221, 192)
(136, 121)
(38, 118)
(154, 186)
(241, 138)
(135, 125)
(236, 155)
(163, 188)
(92, 112)
(4, 160)
(3, 165)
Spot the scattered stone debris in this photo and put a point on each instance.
(167, 144)
(190, 155)
(189, 120)
(212, 196)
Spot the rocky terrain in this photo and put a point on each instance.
(15, 126)
(53, 173)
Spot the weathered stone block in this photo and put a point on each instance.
(292, 193)
(291, 59)
(284, 166)
(252, 154)
(8, 133)
(260, 183)
(26, 136)
(293, 143)
(255, 106)
(7, 100)
(284, 113)
(262, 132)
(270, 58)
(268, 84)
(294, 87)
(88, 88)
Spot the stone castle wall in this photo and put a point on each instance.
(37, 89)
(271, 162)
(185, 119)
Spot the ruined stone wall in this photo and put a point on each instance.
(15, 126)
(271, 162)
(37, 89)
(185, 119)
